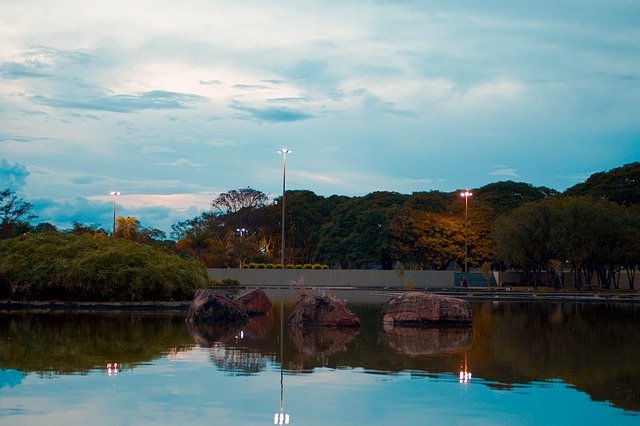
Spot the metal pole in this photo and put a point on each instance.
(466, 230)
(115, 194)
(284, 152)
(284, 177)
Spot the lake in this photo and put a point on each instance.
(525, 364)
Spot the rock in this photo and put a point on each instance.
(210, 305)
(255, 302)
(322, 311)
(418, 308)
(416, 341)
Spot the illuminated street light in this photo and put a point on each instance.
(242, 231)
(115, 195)
(466, 195)
(284, 152)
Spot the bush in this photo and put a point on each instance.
(231, 282)
(278, 266)
(253, 265)
(290, 266)
(325, 267)
(316, 266)
(269, 266)
(307, 266)
(73, 267)
(260, 266)
(298, 267)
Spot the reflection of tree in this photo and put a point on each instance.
(72, 343)
(522, 343)
(427, 340)
(232, 347)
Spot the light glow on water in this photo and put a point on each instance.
(169, 373)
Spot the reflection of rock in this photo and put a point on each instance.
(210, 305)
(322, 341)
(322, 311)
(259, 328)
(426, 340)
(426, 308)
(255, 302)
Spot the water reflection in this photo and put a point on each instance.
(593, 348)
(416, 341)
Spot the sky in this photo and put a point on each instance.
(172, 103)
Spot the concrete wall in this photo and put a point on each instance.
(335, 277)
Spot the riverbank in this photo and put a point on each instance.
(350, 294)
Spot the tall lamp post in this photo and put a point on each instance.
(466, 195)
(115, 195)
(284, 152)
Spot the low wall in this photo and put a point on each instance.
(335, 278)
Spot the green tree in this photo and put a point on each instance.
(358, 234)
(619, 185)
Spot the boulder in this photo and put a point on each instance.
(322, 311)
(255, 302)
(418, 308)
(213, 306)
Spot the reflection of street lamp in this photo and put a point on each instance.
(115, 194)
(281, 418)
(284, 152)
(465, 374)
(466, 195)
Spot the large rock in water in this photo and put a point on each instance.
(254, 302)
(322, 311)
(211, 305)
(417, 308)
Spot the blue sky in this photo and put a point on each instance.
(172, 103)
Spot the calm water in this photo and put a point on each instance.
(530, 364)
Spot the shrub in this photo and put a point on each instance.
(316, 266)
(260, 265)
(253, 265)
(269, 266)
(278, 266)
(230, 282)
(290, 266)
(325, 267)
(307, 266)
(298, 267)
(49, 266)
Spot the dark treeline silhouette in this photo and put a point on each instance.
(590, 228)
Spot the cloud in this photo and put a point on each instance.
(12, 176)
(182, 162)
(271, 114)
(504, 171)
(16, 70)
(87, 179)
(156, 149)
(152, 100)
(210, 82)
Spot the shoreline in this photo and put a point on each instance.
(470, 294)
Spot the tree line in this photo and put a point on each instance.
(592, 228)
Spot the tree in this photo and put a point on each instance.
(619, 185)
(358, 234)
(238, 199)
(505, 196)
(127, 227)
(15, 214)
(197, 241)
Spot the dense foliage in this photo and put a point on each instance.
(590, 229)
(86, 267)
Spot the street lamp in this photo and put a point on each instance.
(466, 195)
(115, 195)
(284, 152)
